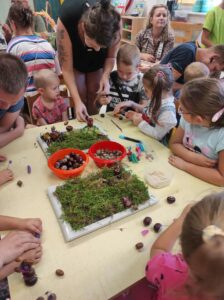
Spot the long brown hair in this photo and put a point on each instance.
(210, 254)
(159, 78)
(102, 23)
(167, 29)
(204, 97)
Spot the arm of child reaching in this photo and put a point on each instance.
(177, 147)
(41, 122)
(65, 56)
(128, 104)
(14, 244)
(10, 133)
(211, 175)
(167, 239)
(32, 255)
(34, 225)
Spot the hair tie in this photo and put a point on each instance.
(210, 231)
(160, 74)
(217, 115)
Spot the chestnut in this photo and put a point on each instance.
(139, 246)
(157, 227)
(147, 221)
(171, 199)
(59, 272)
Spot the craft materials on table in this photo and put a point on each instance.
(117, 125)
(123, 137)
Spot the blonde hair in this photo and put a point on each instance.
(208, 211)
(196, 70)
(44, 77)
(129, 55)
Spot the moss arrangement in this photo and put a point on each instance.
(87, 200)
(77, 138)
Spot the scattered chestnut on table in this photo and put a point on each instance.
(139, 246)
(147, 221)
(157, 227)
(170, 199)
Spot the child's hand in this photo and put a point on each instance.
(122, 105)
(20, 125)
(32, 225)
(3, 158)
(204, 161)
(15, 244)
(135, 117)
(177, 162)
(33, 256)
(5, 175)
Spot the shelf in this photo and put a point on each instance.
(126, 41)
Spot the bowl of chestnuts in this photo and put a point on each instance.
(106, 153)
(68, 163)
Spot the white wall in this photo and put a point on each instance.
(4, 8)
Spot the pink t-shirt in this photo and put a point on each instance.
(168, 273)
(49, 115)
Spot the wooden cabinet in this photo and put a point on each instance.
(130, 27)
(185, 31)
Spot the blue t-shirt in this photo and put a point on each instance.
(18, 106)
(180, 57)
(208, 141)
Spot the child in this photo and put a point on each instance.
(20, 244)
(49, 108)
(197, 273)
(126, 82)
(196, 70)
(198, 142)
(159, 117)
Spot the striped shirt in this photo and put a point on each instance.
(36, 53)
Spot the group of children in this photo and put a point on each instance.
(197, 145)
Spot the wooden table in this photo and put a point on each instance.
(100, 264)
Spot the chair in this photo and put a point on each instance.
(30, 101)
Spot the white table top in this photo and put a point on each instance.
(102, 263)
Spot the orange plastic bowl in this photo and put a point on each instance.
(109, 145)
(65, 174)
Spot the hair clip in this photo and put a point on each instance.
(217, 115)
(210, 231)
(160, 74)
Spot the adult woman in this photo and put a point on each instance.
(157, 39)
(36, 52)
(88, 35)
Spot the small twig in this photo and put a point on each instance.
(117, 125)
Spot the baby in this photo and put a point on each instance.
(50, 107)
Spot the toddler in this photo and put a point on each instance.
(198, 142)
(125, 83)
(196, 70)
(50, 107)
(198, 272)
(159, 117)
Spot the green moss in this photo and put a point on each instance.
(78, 138)
(87, 200)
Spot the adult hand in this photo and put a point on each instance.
(104, 86)
(33, 225)
(16, 243)
(33, 256)
(81, 112)
(148, 57)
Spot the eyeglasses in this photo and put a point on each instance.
(182, 112)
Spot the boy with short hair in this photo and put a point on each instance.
(126, 82)
(196, 70)
(13, 80)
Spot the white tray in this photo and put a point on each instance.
(44, 145)
(70, 234)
